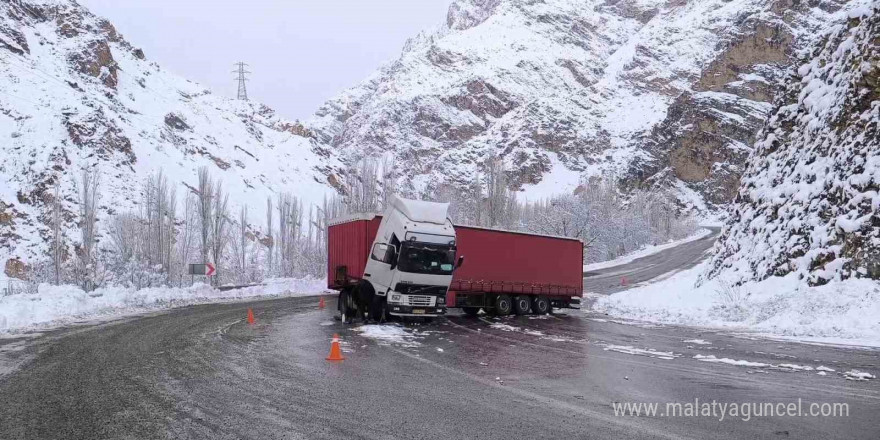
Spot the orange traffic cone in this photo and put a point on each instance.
(250, 316)
(335, 350)
(321, 303)
(622, 281)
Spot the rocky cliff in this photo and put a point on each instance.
(660, 93)
(809, 200)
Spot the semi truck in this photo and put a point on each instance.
(412, 261)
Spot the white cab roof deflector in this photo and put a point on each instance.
(422, 212)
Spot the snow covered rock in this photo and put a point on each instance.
(809, 200)
(660, 93)
(74, 95)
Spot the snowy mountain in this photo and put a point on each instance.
(809, 200)
(74, 94)
(661, 93)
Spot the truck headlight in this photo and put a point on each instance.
(441, 300)
(395, 298)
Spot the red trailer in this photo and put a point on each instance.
(503, 271)
(533, 271)
(348, 248)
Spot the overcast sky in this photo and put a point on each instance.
(301, 52)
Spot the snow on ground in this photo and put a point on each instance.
(388, 334)
(697, 341)
(646, 251)
(858, 375)
(845, 312)
(650, 352)
(728, 361)
(510, 328)
(55, 306)
(539, 334)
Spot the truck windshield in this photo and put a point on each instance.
(426, 258)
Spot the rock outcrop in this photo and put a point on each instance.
(666, 94)
(810, 199)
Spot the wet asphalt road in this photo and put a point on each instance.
(618, 278)
(204, 373)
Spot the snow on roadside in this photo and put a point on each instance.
(388, 334)
(646, 251)
(650, 352)
(844, 312)
(539, 334)
(56, 306)
(858, 375)
(728, 361)
(697, 341)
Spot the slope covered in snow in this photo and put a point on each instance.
(75, 95)
(800, 257)
(659, 93)
(809, 200)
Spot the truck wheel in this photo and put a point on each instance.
(377, 309)
(347, 310)
(343, 309)
(540, 305)
(522, 304)
(503, 305)
(472, 311)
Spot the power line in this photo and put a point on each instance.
(242, 80)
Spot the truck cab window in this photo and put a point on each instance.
(426, 258)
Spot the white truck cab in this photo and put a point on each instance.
(412, 259)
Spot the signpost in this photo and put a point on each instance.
(205, 269)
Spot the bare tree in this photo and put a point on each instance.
(56, 233)
(243, 245)
(270, 239)
(206, 211)
(88, 219)
(362, 189)
(219, 233)
(497, 193)
(389, 180)
(188, 229)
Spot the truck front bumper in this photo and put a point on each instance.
(397, 310)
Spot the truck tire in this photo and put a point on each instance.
(344, 314)
(377, 309)
(540, 305)
(503, 305)
(347, 309)
(522, 304)
(471, 311)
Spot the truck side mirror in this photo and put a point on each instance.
(459, 262)
(380, 252)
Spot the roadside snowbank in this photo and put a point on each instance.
(55, 306)
(646, 251)
(846, 312)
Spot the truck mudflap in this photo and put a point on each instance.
(397, 310)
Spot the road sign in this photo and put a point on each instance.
(206, 269)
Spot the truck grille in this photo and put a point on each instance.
(418, 300)
(419, 289)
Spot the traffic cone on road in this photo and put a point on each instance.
(622, 281)
(250, 316)
(335, 350)
(321, 303)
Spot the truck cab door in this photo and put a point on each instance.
(379, 270)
